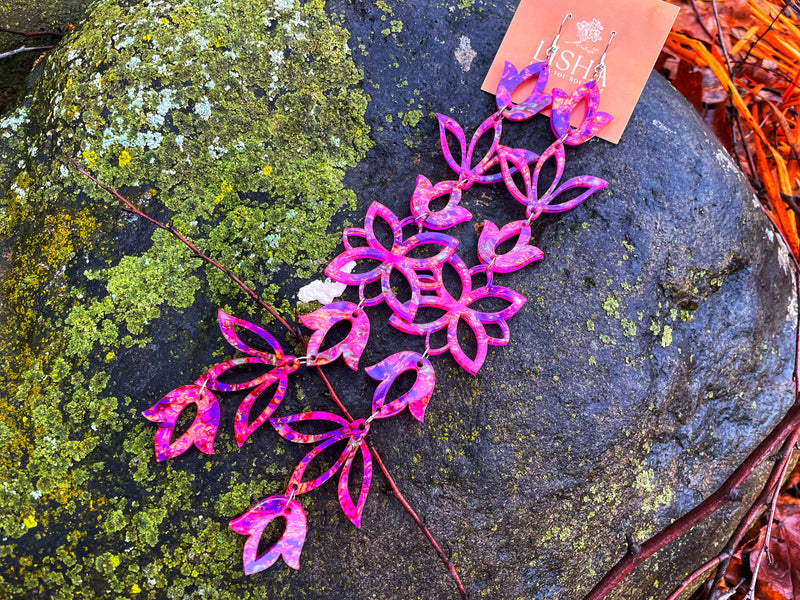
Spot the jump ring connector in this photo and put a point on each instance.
(533, 212)
(368, 420)
(498, 115)
(306, 360)
(292, 493)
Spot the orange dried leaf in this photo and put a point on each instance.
(744, 40)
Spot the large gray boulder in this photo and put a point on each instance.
(653, 353)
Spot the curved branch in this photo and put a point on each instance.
(787, 425)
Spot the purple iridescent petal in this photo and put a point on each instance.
(519, 155)
(321, 321)
(556, 152)
(505, 335)
(353, 232)
(515, 301)
(354, 432)
(593, 184)
(211, 377)
(378, 210)
(519, 162)
(471, 365)
(450, 215)
(511, 80)
(448, 243)
(254, 521)
(388, 370)
(438, 302)
(352, 509)
(227, 325)
(466, 172)
(336, 269)
(521, 255)
(564, 106)
(201, 432)
(494, 123)
(243, 427)
(406, 310)
(447, 124)
(281, 425)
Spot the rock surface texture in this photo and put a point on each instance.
(653, 353)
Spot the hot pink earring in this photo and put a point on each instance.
(564, 105)
(512, 79)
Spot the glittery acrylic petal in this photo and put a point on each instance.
(447, 124)
(227, 325)
(556, 152)
(515, 161)
(337, 268)
(521, 255)
(211, 377)
(388, 370)
(254, 521)
(354, 433)
(495, 123)
(591, 183)
(520, 155)
(379, 211)
(281, 425)
(200, 433)
(563, 107)
(471, 365)
(515, 301)
(352, 509)
(450, 215)
(243, 426)
(449, 245)
(321, 321)
(510, 80)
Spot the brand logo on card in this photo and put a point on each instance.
(588, 31)
(577, 63)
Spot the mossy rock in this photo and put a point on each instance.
(30, 16)
(653, 353)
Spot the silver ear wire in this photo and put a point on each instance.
(551, 51)
(601, 66)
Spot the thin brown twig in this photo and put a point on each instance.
(331, 392)
(694, 576)
(787, 459)
(447, 562)
(700, 20)
(760, 37)
(28, 34)
(25, 49)
(722, 39)
(757, 508)
(195, 250)
(787, 425)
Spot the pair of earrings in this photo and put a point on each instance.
(562, 105)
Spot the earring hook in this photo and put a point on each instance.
(551, 51)
(601, 66)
